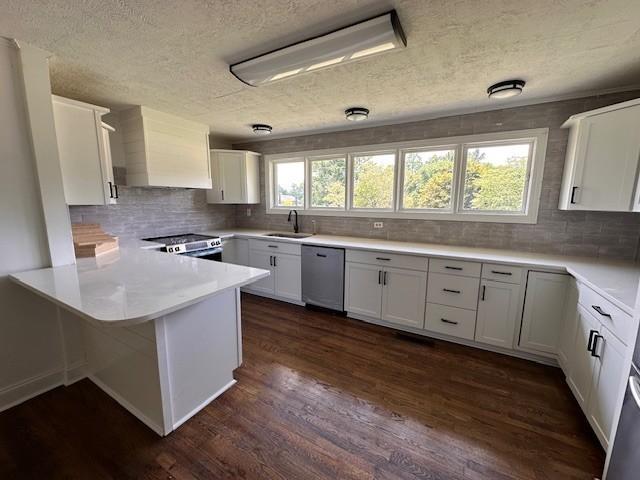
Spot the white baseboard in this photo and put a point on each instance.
(75, 373)
(133, 410)
(204, 404)
(31, 387)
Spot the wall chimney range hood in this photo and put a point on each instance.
(361, 40)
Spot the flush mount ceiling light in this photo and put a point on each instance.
(357, 114)
(507, 89)
(361, 40)
(261, 129)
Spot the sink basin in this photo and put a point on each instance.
(288, 235)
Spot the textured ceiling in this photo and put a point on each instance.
(174, 55)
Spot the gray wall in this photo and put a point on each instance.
(600, 234)
(150, 212)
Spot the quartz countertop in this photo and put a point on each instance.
(617, 281)
(134, 284)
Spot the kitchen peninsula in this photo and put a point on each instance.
(159, 333)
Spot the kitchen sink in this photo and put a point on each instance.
(288, 235)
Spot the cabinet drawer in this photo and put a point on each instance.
(617, 321)
(453, 290)
(455, 267)
(274, 247)
(411, 262)
(502, 273)
(456, 322)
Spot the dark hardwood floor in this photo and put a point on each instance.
(322, 396)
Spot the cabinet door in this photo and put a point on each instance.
(242, 251)
(568, 330)
(582, 363)
(82, 154)
(363, 289)
(607, 160)
(214, 194)
(543, 311)
(497, 313)
(229, 251)
(288, 277)
(404, 296)
(231, 166)
(608, 374)
(262, 260)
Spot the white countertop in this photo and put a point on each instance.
(134, 284)
(617, 281)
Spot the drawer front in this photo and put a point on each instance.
(456, 322)
(455, 267)
(502, 273)
(411, 262)
(607, 313)
(274, 247)
(453, 290)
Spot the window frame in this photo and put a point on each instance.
(309, 179)
(533, 187)
(394, 186)
(274, 182)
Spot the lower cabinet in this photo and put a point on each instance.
(235, 250)
(452, 321)
(543, 313)
(396, 295)
(569, 324)
(581, 361)
(285, 280)
(497, 313)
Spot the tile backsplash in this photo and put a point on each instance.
(596, 234)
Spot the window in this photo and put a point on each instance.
(328, 182)
(428, 179)
(494, 177)
(289, 184)
(373, 180)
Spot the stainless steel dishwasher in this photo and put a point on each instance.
(323, 277)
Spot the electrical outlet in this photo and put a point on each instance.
(378, 225)
(248, 212)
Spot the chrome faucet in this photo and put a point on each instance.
(295, 223)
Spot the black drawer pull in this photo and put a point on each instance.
(595, 345)
(598, 309)
(272, 246)
(450, 322)
(451, 291)
(573, 195)
(382, 258)
(498, 272)
(321, 255)
(589, 346)
(452, 268)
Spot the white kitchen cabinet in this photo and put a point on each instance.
(403, 296)
(85, 154)
(229, 254)
(288, 276)
(568, 330)
(608, 374)
(285, 281)
(543, 313)
(601, 166)
(363, 289)
(241, 251)
(497, 313)
(163, 150)
(580, 377)
(235, 177)
(264, 260)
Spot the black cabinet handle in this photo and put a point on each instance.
(451, 291)
(222, 191)
(275, 264)
(452, 268)
(451, 322)
(595, 345)
(382, 258)
(498, 272)
(484, 291)
(271, 260)
(379, 277)
(591, 334)
(272, 246)
(321, 255)
(573, 195)
(115, 186)
(110, 190)
(598, 309)
(384, 278)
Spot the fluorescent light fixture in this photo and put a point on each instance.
(364, 39)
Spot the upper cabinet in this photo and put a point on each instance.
(601, 167)
(236, 177)
(162, 150)
(85, 156)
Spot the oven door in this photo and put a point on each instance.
(214, 254)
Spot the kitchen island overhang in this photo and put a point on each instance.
(161, 334)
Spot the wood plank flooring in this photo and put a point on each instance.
(322, 396)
